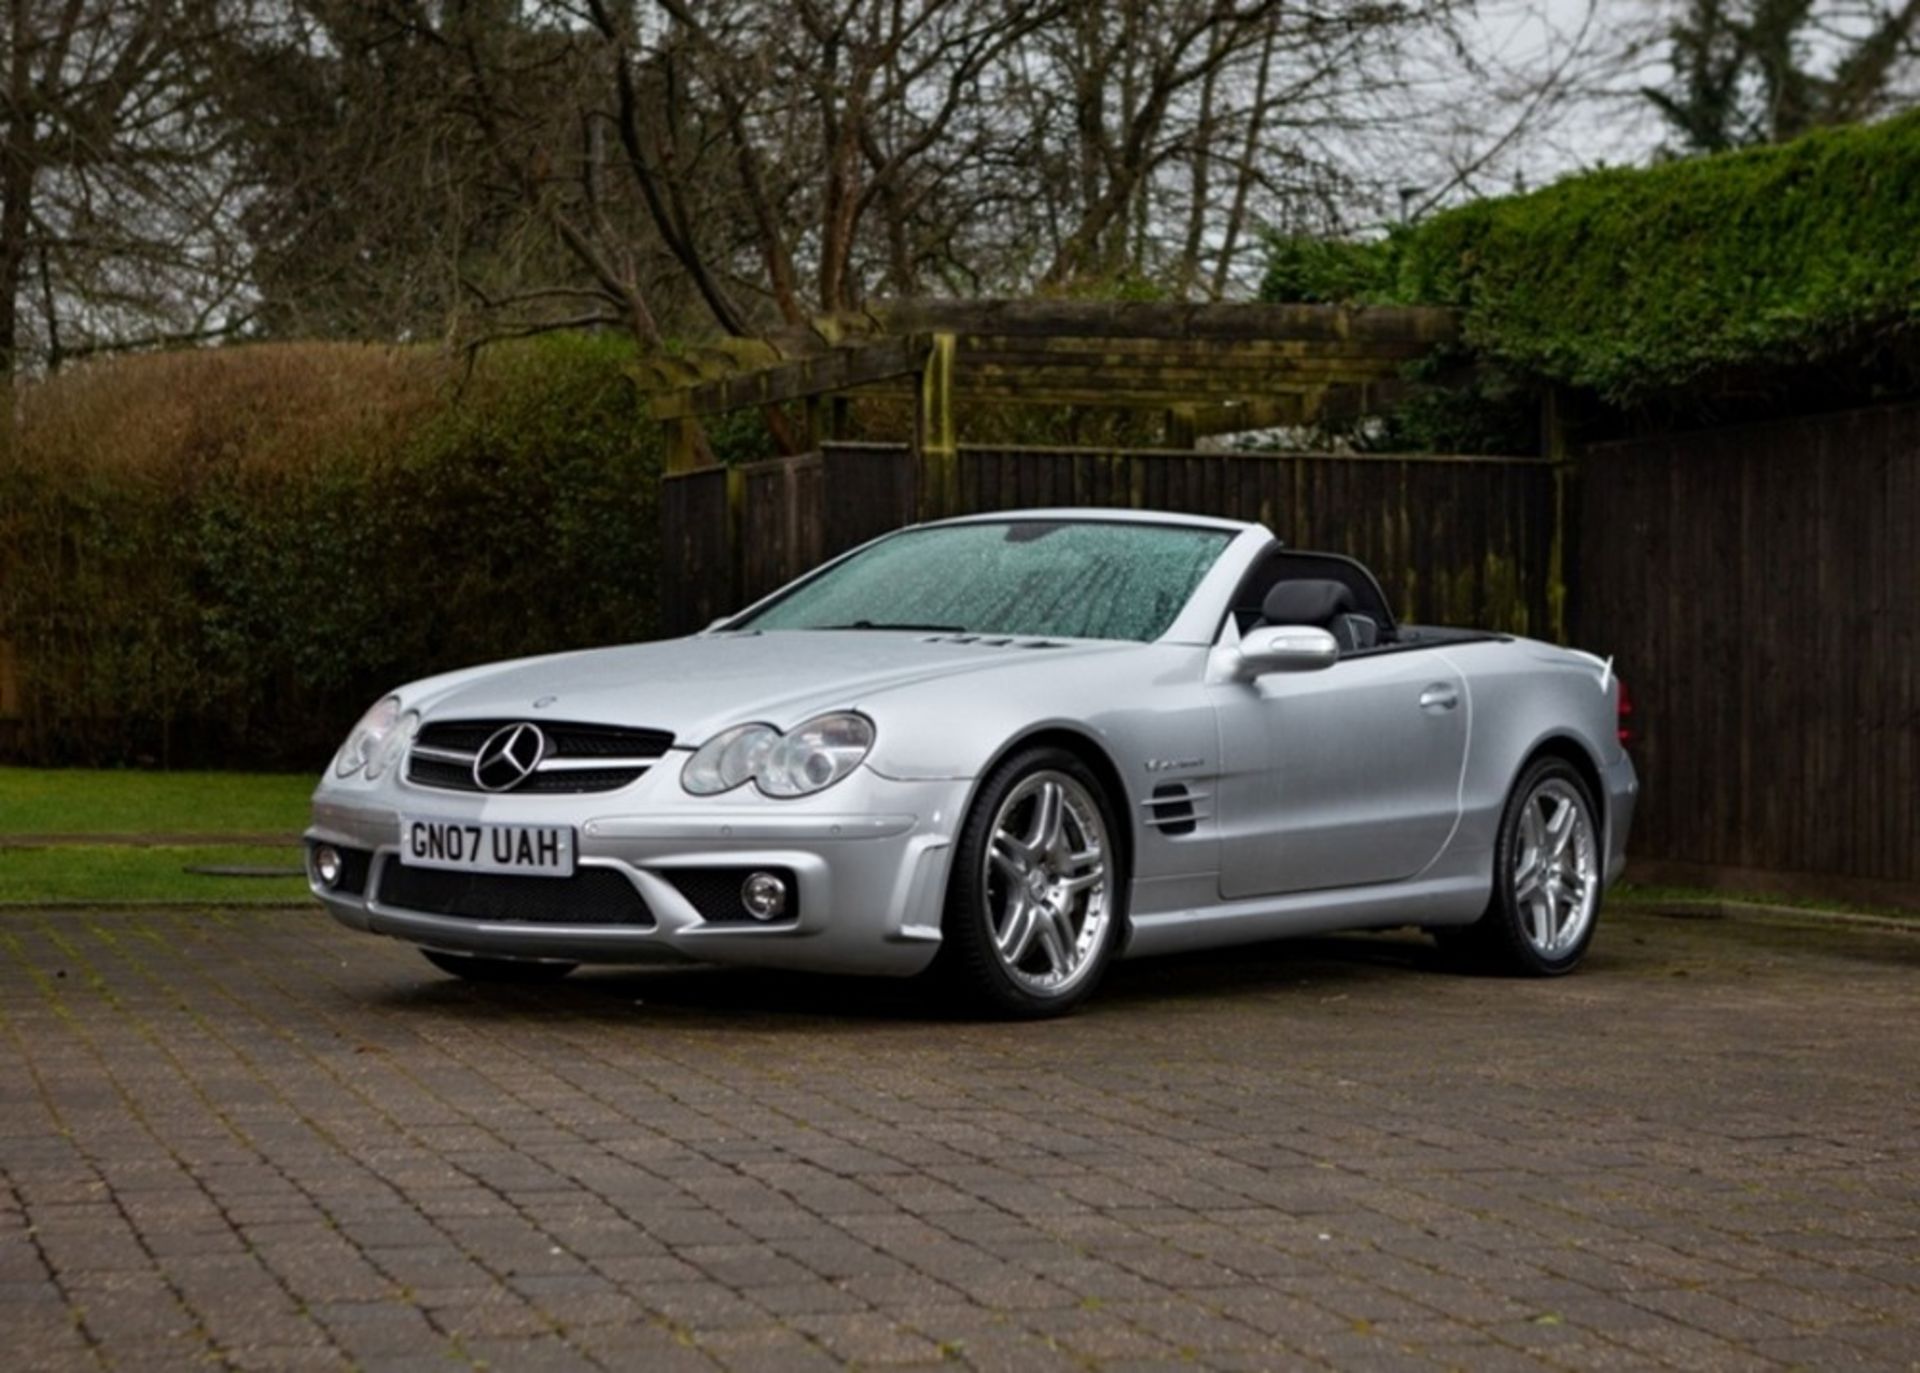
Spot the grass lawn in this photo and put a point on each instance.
(96, 872)
(81, 801)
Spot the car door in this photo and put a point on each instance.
(1344, 777)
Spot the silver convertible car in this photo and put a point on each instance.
(1004, 750)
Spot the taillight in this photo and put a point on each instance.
(1623, 714)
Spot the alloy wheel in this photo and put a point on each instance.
(1045, 883)
(1556, 886)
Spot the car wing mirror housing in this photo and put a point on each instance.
(1287, 648)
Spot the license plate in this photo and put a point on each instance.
(460, 846)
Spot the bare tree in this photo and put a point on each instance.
(1179, 124)
(788, 161)
(183, 168)
(669, 168)
(837, 121)
(1129, 65)
(116, 181)
(366, 209)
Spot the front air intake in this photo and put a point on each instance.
(718, 893)
(592, 896)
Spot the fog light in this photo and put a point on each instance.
(764, 896)
(327, 865)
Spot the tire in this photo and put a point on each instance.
(1038, 889)
(1547, 878)
(520, 972)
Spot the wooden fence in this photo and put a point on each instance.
(1760, 589)
(1455, 540)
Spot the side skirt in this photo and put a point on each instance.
(1448, 900)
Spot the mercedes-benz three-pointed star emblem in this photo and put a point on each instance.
(509, 757)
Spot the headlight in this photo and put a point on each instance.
(389, 751)
(367, 736)
(728, 759)
(816, 755)
(809, 758)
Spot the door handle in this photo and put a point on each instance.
(1439, 696)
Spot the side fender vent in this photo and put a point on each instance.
(1171, 808)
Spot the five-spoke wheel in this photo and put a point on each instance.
(1556, 884)
(1547, 868)
(1035, 896)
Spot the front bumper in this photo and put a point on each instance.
(868, 857)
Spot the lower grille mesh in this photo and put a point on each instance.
(715, 892)
(592, 896)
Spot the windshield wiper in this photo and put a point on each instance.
(882, 624)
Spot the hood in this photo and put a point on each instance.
(698, 686)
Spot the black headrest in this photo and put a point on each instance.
(1305, 602)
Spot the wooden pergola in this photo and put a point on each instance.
(1208, 368)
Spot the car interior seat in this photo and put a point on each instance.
(1326, 605)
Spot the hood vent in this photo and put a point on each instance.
(992, 641)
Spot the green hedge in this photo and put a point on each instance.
(1631, 282)
(1323, 271)
(223, 556)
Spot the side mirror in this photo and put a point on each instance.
(1287, 648)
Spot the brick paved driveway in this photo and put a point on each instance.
(256, 1139)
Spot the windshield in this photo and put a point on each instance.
(1079, 579)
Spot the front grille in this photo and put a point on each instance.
(565, 739)
(434, 772)
(443, 752)
(715, 893)
(592, 896)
